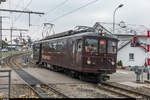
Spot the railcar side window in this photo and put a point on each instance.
(112, 46)
(50, 47)
(59, 46)
(91, 45)
(54, 46)
(79, 48)
(102, 46)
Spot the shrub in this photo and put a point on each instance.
(120, 63)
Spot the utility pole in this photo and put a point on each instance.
(20, 11)
(1, 19)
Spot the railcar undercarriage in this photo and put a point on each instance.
(84, 76)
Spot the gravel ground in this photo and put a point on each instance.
(82, 91)
(46, 75)
(15, 79)
(74, 87)
(19, 91)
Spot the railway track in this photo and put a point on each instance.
(40, 89)
(123, 91)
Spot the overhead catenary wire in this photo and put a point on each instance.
(75, 10)
(57, 18)
(53, 9)
(23, 9)
(57, 6)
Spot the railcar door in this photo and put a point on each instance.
(73, 52)
(40, 52)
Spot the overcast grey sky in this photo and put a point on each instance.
(133, 12)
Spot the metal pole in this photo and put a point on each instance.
(142, 75)
(114, 20)
(0, 41)
(121, 5)
(29, 20)
(19, 11)
(11, 37)
(9, 84)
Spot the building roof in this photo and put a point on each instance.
(126, 29)
(122, 44)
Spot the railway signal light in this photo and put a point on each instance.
(148, 33)
(148, 61)
(103, 34)
(148, 48)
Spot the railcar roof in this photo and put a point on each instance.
(77, 35)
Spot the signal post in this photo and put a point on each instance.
(135, 43)
(148, 55)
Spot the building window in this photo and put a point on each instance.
(131, 56)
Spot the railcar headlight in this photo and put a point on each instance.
(113, 63)
(88, 62)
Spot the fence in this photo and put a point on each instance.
(9, 80)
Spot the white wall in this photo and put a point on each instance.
(124, 37)
(139, 56)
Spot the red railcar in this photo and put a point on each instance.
(87, 55)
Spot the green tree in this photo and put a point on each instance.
(120, 63)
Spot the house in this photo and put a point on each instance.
(130, 56)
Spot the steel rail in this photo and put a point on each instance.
(115, 92)
(57, 92)
(130, 91)
(12, 64)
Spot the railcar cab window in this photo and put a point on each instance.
(112, 47)
(91, 45)
(102, 46)
(79, 49)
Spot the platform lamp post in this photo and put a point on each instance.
(121, 5)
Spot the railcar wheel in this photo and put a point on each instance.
(36, 63)
(102, 78)
(82, 78)
(56, 69)
(49, 66)
(72, 74)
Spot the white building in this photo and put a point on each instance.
(130, 56)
